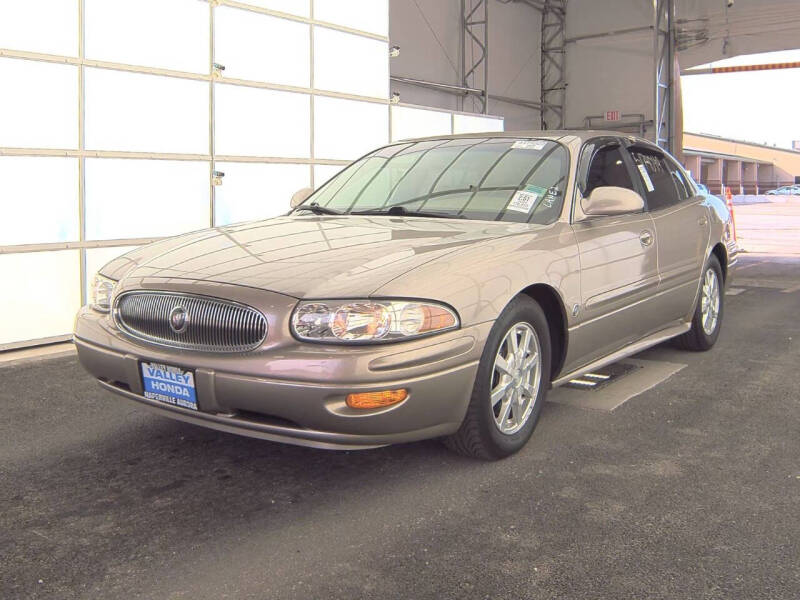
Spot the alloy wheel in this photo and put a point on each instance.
(710, 301)
(516, 377)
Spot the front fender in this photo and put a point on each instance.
(479, 281)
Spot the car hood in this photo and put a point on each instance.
(308, 256)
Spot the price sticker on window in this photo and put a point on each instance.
(524, 200)
(529, 145)
(646, 176)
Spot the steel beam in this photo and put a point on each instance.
(475, 38)
(616, 32)
(553, 63)
(462, 91)
(664, 60)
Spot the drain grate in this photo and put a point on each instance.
(600, 378)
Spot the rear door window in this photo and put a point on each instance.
(682, 183)
(659, 182)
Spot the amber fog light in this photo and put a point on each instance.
(376, 399)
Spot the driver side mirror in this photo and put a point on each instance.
(610, 200)
(300, 196)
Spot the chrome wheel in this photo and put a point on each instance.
(710, 301)
(516, 378)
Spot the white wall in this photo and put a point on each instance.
(427, 32)
(613, 73)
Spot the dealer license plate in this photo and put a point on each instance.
(168, 384)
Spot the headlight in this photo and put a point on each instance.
(360, 321)
(102, 289)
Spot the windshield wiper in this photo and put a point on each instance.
(317, 209)
(402, 211)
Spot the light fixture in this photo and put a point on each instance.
(370, 320)
(102, 291)
(371, 400)
(394, 51)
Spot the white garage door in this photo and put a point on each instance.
(118, 118)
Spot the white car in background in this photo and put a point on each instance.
(787, 190)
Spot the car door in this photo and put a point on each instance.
(618, 258)
(682, 228)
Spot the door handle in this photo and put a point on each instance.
(646, 238)
(702, 221)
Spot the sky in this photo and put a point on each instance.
(759, 106)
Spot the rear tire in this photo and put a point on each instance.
(510, 386)
(708, 313)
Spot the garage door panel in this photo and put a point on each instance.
(257, 191)
(39, 200)
(350, 64)
(258, 122)
(22, 26)
(408, 122)
(300, 8)
(145, 113)
(262, 48)
(153, 33)
(347, 129)
(365, 15)
(46, 296)
(132, 198)
(42, 111)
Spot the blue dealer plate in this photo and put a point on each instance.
(171, 385)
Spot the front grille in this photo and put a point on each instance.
(211, 324)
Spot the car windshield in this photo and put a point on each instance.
(496, 179)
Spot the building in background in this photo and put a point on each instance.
(745, 167)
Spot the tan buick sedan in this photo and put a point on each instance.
(434, 288)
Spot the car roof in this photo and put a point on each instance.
(562, 135)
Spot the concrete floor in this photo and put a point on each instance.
(773, 227)
(688, 490)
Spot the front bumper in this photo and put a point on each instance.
(296, 394)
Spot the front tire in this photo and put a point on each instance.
(707, 318)
(510, 387)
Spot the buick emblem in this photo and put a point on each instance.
(178, 319)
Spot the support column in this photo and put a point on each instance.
(766, 177)
(664, 55)
(749, 178)
(713, 177)
(732, 175)
(475, 27)
(553, 73)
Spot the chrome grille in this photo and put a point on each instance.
(212, 324)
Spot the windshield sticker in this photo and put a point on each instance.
(524, 200)
(646, 176)
(529, 144)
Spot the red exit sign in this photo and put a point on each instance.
(612, 115)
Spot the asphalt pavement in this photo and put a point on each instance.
(689, 490)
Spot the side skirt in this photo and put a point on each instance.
(643, 344)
